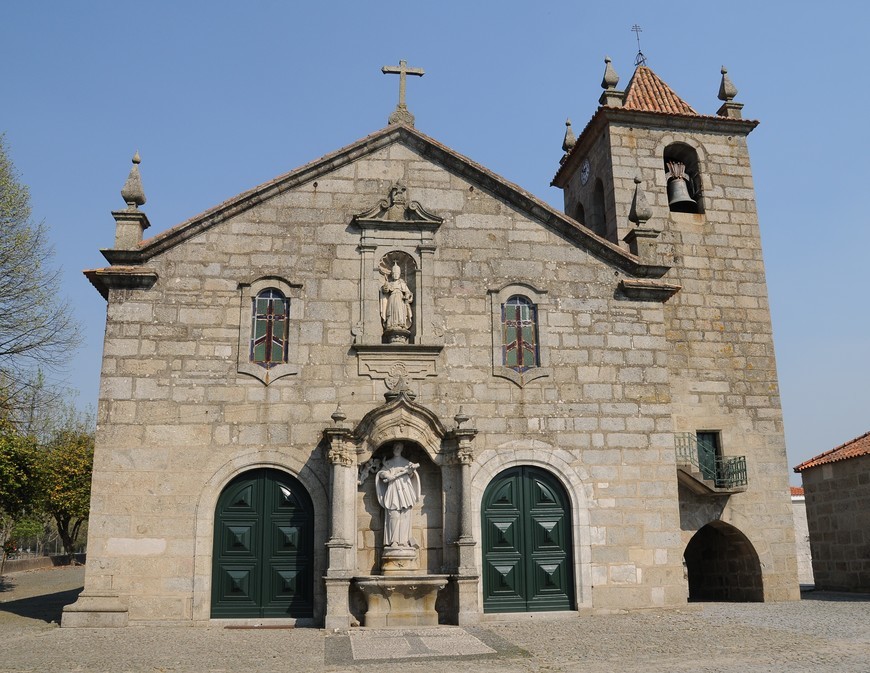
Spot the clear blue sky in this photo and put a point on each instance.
(221, 96)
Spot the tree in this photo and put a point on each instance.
(18, 483)
(64, 468)
(36, 326)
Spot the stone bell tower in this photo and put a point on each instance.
(674, 187)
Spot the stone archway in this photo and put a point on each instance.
(722, 565)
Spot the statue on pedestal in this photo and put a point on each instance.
(398, 488)
(396, 298)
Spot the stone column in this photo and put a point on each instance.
(467, 576)
(425, 307)
(368, 329)
(341, 556)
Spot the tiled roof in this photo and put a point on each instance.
(796, 490)
(647, 92)
(860, 446)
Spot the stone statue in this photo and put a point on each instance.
(398, 487)
(396, 299)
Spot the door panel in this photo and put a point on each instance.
(263, 558)
(527, 562)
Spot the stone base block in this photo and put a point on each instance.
(467, 600)
(337, 609)
(92, 611)
(401, 601)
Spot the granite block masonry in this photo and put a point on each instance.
(590, 396)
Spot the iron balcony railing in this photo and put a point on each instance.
(723, 472)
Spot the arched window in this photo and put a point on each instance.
(271, 310)
(519, 340)
(519, 322)
(269, 315)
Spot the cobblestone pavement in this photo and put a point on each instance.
(820, 634)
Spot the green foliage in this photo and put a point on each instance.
(18, 479)
(36, 325)
(18, 483)
(64, 466)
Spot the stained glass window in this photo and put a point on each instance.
(269, 328)
(519, 321)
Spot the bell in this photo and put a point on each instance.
(679, 200)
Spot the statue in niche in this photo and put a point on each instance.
(398, 488)
(396, 299)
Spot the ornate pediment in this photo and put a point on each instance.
(401, 418)
(396, 211)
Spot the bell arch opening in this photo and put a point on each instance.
(722, 565)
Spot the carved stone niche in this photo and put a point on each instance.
(396, 244)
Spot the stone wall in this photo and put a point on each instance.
(177, 420)
(802, 540)
(722, 368)
(838, 514)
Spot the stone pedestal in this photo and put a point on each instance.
(407, 600)
(400, 560)
(337, 610)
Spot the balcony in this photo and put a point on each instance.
(702, 469)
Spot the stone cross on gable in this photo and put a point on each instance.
(401, 115)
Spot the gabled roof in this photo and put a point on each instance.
(648, 102)
(426, 147)
(647, 92)
(860, 446)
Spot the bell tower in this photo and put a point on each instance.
(674, 187)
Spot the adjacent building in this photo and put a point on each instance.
(837, 490)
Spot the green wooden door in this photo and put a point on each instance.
(527, 560)
(263, 548)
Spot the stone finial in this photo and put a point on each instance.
(338, 416)
(727, 92)
(569, 140)
(611, 97)
(610, 79)
(640, 210)
(132, 192)
(461, 417)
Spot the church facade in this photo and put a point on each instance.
(579, 409)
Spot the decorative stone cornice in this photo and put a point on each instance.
(121, 277)
(648, 290)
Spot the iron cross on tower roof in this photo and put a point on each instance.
(401, 115)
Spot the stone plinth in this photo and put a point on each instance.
(95, 611)
(400, 561)
(407, 600)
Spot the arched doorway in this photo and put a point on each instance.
(722, 565)
(527, 554)
(263, 548)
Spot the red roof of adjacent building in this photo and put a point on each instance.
(647, 92)
(796, 490)
(860, 446)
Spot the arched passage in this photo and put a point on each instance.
(263, 560)
(722, 565)
(527, 551)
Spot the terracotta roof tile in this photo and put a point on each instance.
(796, 490)
(647, 92)
(860, 446)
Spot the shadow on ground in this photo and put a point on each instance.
(48, 607)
